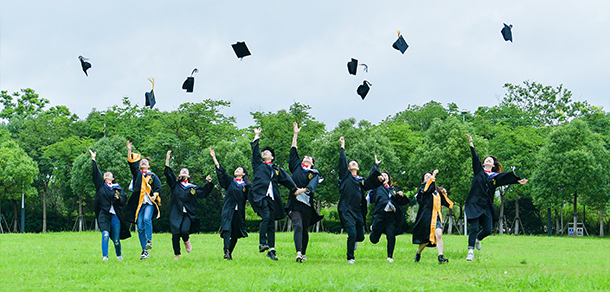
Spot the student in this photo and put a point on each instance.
(301, 208)
(479, 203)
(233, 218)
(388, 217)
(352, 202)
(109, 198)
(428, 228)
(143, 205)
(183, 218)
(265, 196)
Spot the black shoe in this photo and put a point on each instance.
(227, 255)
(417, 257)
(442, 259)
(271, 255)
(144, 255)
(263, 247)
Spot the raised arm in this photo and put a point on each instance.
(133, 159)
(213, 154)
(343, 169)
(256, 152)
(224, 179)
(98, 179)
(296, 131)
(285, 180)
(203, 192)
(476, 161)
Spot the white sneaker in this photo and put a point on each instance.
(352, 261)
(391, 260)
(477, 244)
(304, 258)
(105, 259)
(470, 256)
(120, 258)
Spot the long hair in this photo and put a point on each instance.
(245, 177)
(390, 182)
(113, 178)
(497, 165)
(188, 179)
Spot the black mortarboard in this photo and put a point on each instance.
(352, 66)
(84, 64)
(507, 33)
(150, 96)
(400, 44)
(241, 50)
(363, 89)
(189, 83)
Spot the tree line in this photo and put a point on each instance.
(538, 131)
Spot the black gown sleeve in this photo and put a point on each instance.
(372, 181)
(313, 184)
(400, 200)
(256, 154)
(170, 177)
(156, 185)
(506, 178)
(285, 180)
(121, 200)
(98, 179)
(343, 168)
(134, 164)
(204, 191)
(224, 179)
(294, 162)
(426, 189)
(476, 161)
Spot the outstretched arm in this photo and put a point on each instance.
(343, 169)
(98, 179)
(213, 154)
(296, 130)
(167, 157)
(256, 152)
(476, 161)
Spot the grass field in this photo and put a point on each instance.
(73, 262)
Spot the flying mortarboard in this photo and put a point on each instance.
(400, 44)
(241, 50)
(352, 66)
(189, 83)
(507, 33)
(150, 96)
(84, 64)
(363, 89)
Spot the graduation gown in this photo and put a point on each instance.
(381, 196)
(352, 205)
(483, 187)
(104, 199)
(430, 202)
(263, 175)
(303, 178)
(184, 197)
(235, 196)
(142, 184)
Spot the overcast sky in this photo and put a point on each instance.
(299, 53)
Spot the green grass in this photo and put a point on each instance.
(73, 262)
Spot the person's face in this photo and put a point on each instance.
(108, 176)
(308, 160)
(239, 172)
(488, 162)
(427, 177)
(184, 173)
(144, 164)
(353, 165)
(266, 155)
(386, 178)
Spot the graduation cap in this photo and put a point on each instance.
(507, 33)
(189, 83)
(352, 66)
(150, 96)
(84, 64)
(400, 44)
(363, 89)
(241, 50)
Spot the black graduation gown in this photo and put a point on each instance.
(135, 201)
(380, 196)
(263, 175)
(235, 195)
(430, 202)
(483, 187)
(104, 198)
(184, 197)
(303, 179)
(352, 205)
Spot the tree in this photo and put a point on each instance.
(573, 162)
(420, 118)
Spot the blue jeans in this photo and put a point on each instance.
(144, 223)
(115, 231)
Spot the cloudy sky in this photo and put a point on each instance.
(299, 52)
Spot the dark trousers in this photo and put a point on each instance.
(390, 233)
(483, 222)
(267, 227)
(355, 232)
(301, 231)
(185, 227)
(230, 236)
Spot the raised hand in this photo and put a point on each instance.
(92, 154)
(129, 145)
(208, 178)
(377, 161)
(434, 173)
(400, 193)
(168, 155)
(296, 128)
(469, 139)
(257, 131)
(523, 181)
(212, 153)
(380, 178)
(342, 140)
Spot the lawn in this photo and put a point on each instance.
(73, 262)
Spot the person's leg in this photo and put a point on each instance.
(351, 240)
(360, 231)
(105, 235)
(235, 231)
(141, 228)
(375, 236)
(390, 233)
(115, 234)
(486, 225)
(297, 224)
(185, 229)
(148, 213)
(226, 239)
(438, 233)
(305, 237)
(473, 232)
(176, 244)
(263, 226)
(271, 225)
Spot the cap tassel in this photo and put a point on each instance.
(194, 71)
(366, 68)
(152, 80)
(399, 37)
